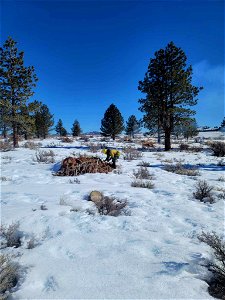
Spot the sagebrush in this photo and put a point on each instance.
(217, 265)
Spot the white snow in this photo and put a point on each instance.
(151, 252)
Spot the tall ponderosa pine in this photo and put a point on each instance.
(16, 86)
(112, 123)
(169, 91)
(132, 126)
(43, 121)
(76, 129)
(59, 127)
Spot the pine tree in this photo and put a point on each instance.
(64, 132)
(190, 129)
(112, 123)
(132, 126)
(223, 123)
(76, 130)
(16, 84)
(169, 91)
(59, 127)
(43, 121)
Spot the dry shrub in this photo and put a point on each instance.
(94, 147)
(31, 145)
(181, 169)
(221, 178)
(66, 139)
(110, 206)
(142, 173)
(184, 147)
(142, 184)
(8, 275)
(217, 265)
(131, 153)
(3, 178)
(45, 156)
(5, 146)
(144, 164)
(195, 149)
(74, 180)
(203, 192)
(218, 148)
(10, 236)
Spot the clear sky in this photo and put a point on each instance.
(89, 54)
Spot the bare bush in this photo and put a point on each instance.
(217, 265)
(142, 184)
(110, 206)
(31, 145)
(11, 235)
(8, 275)
(74, 180)
(142, 173)
(5, 146)
(4, 178)
(45, 157)
(66, 139)
(203, 192)
(221, 178)
(131, 153)
(144, 164)
(195, 149)
(218, 148)
(181, 169)
(184, 147)
(94, 147)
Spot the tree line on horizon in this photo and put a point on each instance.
(166, 106)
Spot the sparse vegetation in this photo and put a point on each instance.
(10, 236)
(142, 184)
(5, 146)
(74, 180)
(4, 178)
(131, 153)
(45, 157)
(31, 145)
(217, 265)
(110, 206)
(218, 148)
(144, 164)
(142, 173)
(182, 169)
(203, 192)
(8, 275)
(184, 147)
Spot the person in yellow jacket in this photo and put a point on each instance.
(112, 154)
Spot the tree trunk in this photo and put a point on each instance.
(167, 139)
(4, 132)
(113, 137)
(15, 136)
(159, 137)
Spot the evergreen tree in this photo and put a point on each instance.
(76, 130)
(112, 123)
(16, 84)
(169, 91)
(59, 127)
(190, 129)
(43, 121)
(223, 123)
(64, 132)
(132, 126)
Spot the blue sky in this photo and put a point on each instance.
(89, 54)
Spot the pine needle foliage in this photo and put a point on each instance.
(112, 124)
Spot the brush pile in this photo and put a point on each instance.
(72, 166)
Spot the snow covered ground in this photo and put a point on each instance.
(150, 252)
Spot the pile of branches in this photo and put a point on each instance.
(72, 166)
